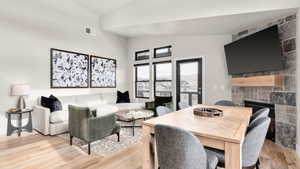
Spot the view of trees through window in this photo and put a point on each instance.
(162, 71)
(189, 83)
(163, 79)
(142, 81)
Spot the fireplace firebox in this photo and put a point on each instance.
(258, 105)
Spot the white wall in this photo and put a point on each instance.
(216, 83)
(298, 82)
(30, 28)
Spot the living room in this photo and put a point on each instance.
(137, 64)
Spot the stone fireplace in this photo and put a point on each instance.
(283, 99)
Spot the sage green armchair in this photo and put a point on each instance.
(85, 125)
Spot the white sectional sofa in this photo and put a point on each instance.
(55, 123)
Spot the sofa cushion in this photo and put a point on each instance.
(105, 109)
(130, 106)
(109, 98)
(89, 100)
(66, 101)
(59, 116)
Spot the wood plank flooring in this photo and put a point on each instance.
(33, 151)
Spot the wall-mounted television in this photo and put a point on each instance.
(258, 52)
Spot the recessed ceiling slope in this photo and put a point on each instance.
(141, 12)
(203, 26)
(101, 7)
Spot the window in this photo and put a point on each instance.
(142, 81)
(142, 55)
(162, 52)
(163, 78)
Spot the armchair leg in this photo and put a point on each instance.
(118, 134)
(257, 165)
(71, 140)
(89, 148)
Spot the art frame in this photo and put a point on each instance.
(59, 69)
(111, 71)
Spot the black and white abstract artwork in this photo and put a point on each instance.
(103, 72)
(69, 69)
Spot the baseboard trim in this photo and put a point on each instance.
(298, 150)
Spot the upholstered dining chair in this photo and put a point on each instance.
(225, 103)
(252, 144)
(162, 110)
(264, 112)
(85, 125)
(183, 105)
(180, 149)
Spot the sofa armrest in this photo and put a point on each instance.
(41, 119)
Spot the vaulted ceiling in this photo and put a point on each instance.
(160, 17)
(101, 7)
(132, 18)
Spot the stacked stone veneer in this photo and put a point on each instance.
(284, 97)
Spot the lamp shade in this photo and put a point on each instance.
(20, 90)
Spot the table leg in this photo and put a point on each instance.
(10, 128)
(233, 156)
(148, 155)
(20, 124)
(133, 125)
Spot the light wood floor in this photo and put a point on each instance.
(34, 151)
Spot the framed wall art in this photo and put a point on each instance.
(69, 69)
(103, 72)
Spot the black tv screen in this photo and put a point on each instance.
(255, 53)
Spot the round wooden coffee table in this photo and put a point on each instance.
(131, 116)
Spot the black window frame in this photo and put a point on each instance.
(136, 80)
(169, 54)
(155, 79)
(141, 51)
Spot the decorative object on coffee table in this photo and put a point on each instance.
(20, 90)
(19, 128)
(208, 112)
(103, 72)
(131, 116)
(69, 69)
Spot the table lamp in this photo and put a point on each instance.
(20, 90)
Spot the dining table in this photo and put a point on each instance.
(226, 132)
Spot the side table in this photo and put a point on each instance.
(19, 128)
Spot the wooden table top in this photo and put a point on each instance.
(230, 128)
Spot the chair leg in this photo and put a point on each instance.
(257, 165)
(118, 134)
(89, 148)
(71, 140)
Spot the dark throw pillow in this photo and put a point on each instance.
(123, 97)
(56, 106)
(52, 103)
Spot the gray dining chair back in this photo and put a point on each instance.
(162, 110)
(183, 105)
(254, 141)
(225, 103)
(179, 149)
(264, 112)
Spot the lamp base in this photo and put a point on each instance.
(21, 103)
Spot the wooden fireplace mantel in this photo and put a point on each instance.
(257, 81)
